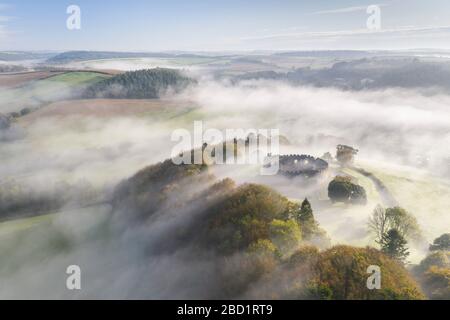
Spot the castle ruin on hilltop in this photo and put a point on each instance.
(301, 165)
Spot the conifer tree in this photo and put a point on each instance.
(306, 213)
(394, 245)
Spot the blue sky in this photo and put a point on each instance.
(213, 25)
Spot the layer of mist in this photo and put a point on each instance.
(399, 132)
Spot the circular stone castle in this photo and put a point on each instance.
(305, 166)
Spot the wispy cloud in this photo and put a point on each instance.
(3, 19)
(345, 10)
(349, 33)
(401, 37)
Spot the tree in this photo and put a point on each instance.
(433, 273)
(345, 154)
(341, 273)
(342, 189)
(441, 243)
(25, 111)
(436, 283)
(403, 222)
(396, 218)
(378, 223)
(306, 213)
(285, 235)
(4, 122)
(250, 213)
(309, 226)
(439, 259)
(394, 245)
(141, 84)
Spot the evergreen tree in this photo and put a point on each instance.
(394, 245)
(306, 212)
(306, 219)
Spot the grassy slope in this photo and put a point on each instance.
(13, 226)
(143, 63)
(70, 80)
(424, 196)
(427, 198)
(366, 183)
(55, 87)
(76, 78)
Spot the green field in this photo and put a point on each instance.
(14, 226)
(424, 196)
(76, 78)
(37, 93)
(372, 193)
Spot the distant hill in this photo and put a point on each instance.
(142, 84)
(367, 73)
(73, 56)
(326, 54)
(12, 68)
(21, 55)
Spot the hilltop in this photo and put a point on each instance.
(73, 56)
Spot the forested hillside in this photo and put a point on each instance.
(142, 84)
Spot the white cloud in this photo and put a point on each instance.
(3, 19)
(345, 10)
(3, 32)
(355, 32)
(402, 37)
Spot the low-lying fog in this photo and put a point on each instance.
(396, 129)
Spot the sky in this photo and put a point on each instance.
(213, 25)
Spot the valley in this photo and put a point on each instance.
(86, 175)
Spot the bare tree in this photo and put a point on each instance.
(383, 220)
(378, 223)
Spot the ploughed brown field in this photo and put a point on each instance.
(104, 108)
(11, 80)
